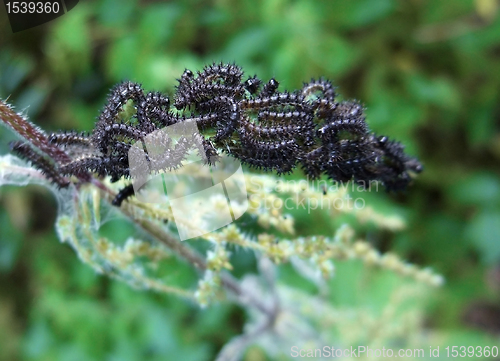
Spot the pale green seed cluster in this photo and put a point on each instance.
(208, 288)
(83, 211)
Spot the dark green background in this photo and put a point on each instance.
(427, 71)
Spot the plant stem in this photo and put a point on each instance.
(189, 254)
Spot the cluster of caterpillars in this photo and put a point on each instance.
(250, 120)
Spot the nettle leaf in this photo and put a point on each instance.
(356, 14)
(480, 189)
(483, 232)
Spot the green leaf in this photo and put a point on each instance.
(437, 91)
(355, 14)
(157, 25)
(122, 59)
(481, 189)
(484, 232)
(15, 68)
(247, 44)
(10, 243)
(116, 13)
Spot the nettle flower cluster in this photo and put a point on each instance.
(254, 122)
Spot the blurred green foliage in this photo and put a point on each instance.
(427, 71)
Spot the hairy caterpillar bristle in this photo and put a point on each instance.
(254, 122)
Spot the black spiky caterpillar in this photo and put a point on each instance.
(251, 121)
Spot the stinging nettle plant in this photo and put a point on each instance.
(265, 129)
